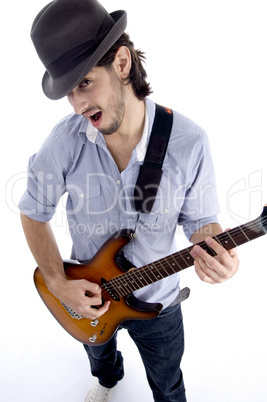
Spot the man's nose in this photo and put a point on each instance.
(77, 101)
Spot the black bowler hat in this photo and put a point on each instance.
(70, 37)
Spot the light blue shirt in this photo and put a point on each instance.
(75, 159)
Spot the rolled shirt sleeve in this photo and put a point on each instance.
(43, 192)
(200, 205)
(46, 176)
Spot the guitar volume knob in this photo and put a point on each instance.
(93, 338)
(94, 323)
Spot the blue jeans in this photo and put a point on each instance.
(160, 342)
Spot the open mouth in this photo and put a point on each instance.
(96, 116)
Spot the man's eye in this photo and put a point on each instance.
(84, 83)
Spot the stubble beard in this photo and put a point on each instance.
(116, 105)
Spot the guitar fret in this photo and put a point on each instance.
(217, 239)
(159, 275)
(136, 282)
(244, 233)
(175, 263)
(149, 269)
(141, 277)
(171, 267)
(209, 250)
(231, 238)
(128, 287)
(186, 261)
(252, 231)
(119, 286)
(224, 240)
(167, 273)
(189, 258)
(118, 291)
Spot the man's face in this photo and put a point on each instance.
(100, 98)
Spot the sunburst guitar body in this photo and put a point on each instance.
(119, 279)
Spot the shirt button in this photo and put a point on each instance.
(118, 182)
(166, 210)
(82, 195)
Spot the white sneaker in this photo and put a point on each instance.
(98, 393)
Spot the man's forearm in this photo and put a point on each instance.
(44, 248)
(212, 229)
(74, 293)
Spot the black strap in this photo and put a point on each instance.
(150, 172)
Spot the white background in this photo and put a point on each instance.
(206, 59)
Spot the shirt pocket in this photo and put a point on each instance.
(93, 200)
(85, 201)
(162, 218)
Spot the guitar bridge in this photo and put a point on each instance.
(71, 312)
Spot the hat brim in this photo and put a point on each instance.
(60, 87)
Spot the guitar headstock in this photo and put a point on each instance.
(264, 218)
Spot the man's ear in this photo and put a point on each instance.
(123, 62)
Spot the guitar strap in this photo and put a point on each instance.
(151, 171)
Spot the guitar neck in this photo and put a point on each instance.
(153, 272)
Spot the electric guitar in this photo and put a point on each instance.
(118, 279)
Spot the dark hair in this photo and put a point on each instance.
(138, 75)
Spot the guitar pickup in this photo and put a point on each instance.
(88, 294)
(110, 290)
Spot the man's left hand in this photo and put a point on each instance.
(215, 269)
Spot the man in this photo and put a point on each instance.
(95, 155)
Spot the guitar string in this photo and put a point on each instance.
(223, 238)
(140, 272)
(140, 277)
(166, 260)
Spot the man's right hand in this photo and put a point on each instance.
(81, 296)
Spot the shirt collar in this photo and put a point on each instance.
(141, 147)
(92, 134)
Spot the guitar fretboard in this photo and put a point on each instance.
(174, 263)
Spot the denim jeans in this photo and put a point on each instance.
(160, 342)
